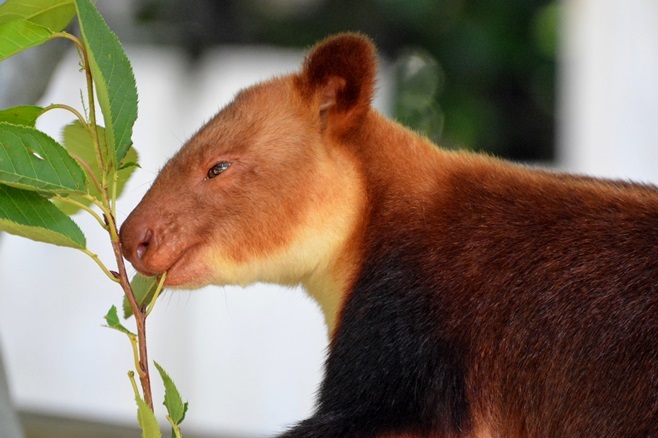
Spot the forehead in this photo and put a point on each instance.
(261, 105)
(257, 114)
(266, 101)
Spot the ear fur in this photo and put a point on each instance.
(340, 72)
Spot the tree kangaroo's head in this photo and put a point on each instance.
(266, 190)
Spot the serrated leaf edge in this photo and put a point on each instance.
(173, 395)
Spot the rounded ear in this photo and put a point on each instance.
(339, 74)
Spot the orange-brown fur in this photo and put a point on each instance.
(497, 300)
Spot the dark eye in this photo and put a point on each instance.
(217, 169)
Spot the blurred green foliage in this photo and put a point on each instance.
(418, 83)
(494, 61)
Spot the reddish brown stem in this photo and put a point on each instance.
(140, 320)
(138, 311)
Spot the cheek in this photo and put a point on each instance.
(259, 227)
(258, 219)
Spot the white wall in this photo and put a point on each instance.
(609, 94)
(247, 360)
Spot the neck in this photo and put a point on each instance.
(399, 171)
(338, 219)
(329, 294)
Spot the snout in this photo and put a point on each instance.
(139, 243)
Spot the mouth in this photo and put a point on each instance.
(182, 272)
(185, 272)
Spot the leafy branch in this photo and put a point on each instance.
(43, 182)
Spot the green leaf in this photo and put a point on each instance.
(18, 35)
(144, 288)
(78, 142)
(30, 215)
(125, 164)
(172, 399)
(21, 115)
(147, 421)
(51, 14)
(31, 160)
(113, 322)
(28, 23)
(113, 76)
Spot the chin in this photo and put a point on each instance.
(187, 277)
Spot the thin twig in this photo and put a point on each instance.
(90, 172)
(158, 289)
(98, 261)
(134, 342)
(82, 206)
(115, 180)
(140, 321)
(174, 427)
(107, 205)
(70, 109)
(90, 94)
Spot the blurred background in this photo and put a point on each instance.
(569, 84)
